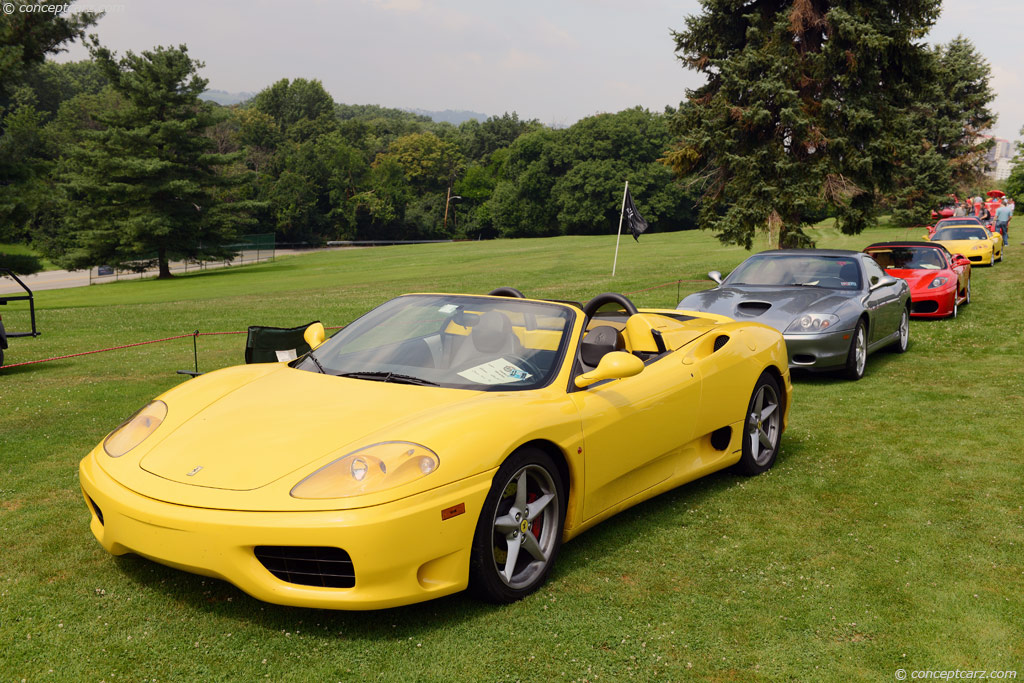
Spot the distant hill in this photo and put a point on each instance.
(225, 98)
(450, 115)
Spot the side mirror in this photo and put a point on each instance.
(961, 260)
(315, 335)
(926, 237)
(614, 365)
(877, 282)
(716, 276)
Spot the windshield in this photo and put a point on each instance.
(835, 272)
(951, 222)
(952, 234)
(451, 341)
(910, 258)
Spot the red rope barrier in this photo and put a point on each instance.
(667, 284)
(128, 346)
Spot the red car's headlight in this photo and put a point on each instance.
(135, 429)
(371, 469)
(938, 282)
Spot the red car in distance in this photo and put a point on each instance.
(939, 281)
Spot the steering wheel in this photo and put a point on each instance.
(592, 306)
(518, 361)
(506, 291)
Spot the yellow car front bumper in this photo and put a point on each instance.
(401, 552)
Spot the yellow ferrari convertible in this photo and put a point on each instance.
(438, 442)
(973, 241)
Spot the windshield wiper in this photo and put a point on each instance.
(318, 365)
(390, 377)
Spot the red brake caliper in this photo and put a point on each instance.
(530, 497)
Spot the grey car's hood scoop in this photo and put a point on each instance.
(777, 307)
(752, 307)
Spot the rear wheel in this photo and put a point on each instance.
(967, 296)
(519, 531)
(857, 356)
(763, 429)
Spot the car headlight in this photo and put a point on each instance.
(135, 429)
(979, 247)
(809, 323)
(371, 469)
(938, 282)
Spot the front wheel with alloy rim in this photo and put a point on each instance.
(857, 356)
(903, 340)
(519, 531)
(763, 427)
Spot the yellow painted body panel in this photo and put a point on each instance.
(990, 249)
(213, 479)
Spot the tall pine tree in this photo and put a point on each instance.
(147, 184)
(798, 112)
(942, 150)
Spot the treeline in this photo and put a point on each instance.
(117, 160)
(334, 171)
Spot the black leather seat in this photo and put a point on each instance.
(599, 341)
(849, 272)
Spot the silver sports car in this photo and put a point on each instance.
(833, 306)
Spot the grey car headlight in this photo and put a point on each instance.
(810, 323)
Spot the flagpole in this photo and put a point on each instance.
(622, 213)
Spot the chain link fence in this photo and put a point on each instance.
(248, 249)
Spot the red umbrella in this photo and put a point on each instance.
(996, 193)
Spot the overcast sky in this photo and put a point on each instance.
(553, 60)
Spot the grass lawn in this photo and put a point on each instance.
(24, 249)
(889, 535)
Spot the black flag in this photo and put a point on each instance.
(636, 222)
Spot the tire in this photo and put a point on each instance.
(992, 258)
(762, 430)
(507, 522)
(857, 356)
(967, 298)
(903, 340)
(956, 309)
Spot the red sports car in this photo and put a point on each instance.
(939, 281)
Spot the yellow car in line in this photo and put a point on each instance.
(439, 442)
(974, 242)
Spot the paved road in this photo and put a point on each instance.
(61, 279)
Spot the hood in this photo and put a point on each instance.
(773, 306)
(919, 278)
(282, 422)
(964, 247)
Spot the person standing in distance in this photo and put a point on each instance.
(1003, 221)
